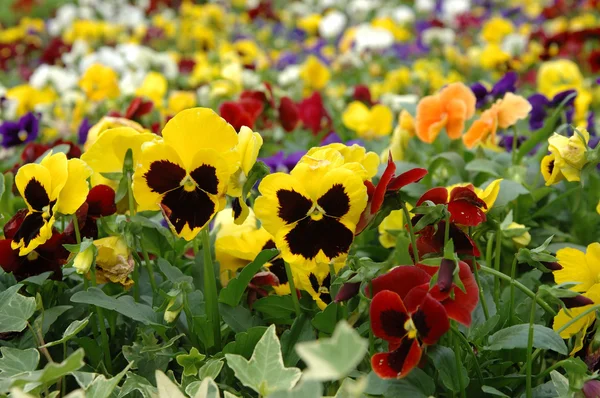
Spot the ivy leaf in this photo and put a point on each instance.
(51, 373)
(304, 389)
(333, 358)
(245, 342)
(166, 388)
(211, 369)
(233, 292)
(206, 388)
(137, 383)
(15, 310)
(15, 363)
(264, 372)
(102, 387)
(190, 362)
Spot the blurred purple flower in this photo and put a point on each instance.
(26, 129)
(282, 162)
(591, 125)
(506, 142)
(333, 138)
(591, 389)
(540, 106)
(83, 131)
(506, 84)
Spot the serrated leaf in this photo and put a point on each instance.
(517, 337)
(15, 363)
(15, 310)
(233, 292)
(333, 358)
(264, 372)
(124, 305)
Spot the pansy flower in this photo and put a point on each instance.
(107, 153)
(100, 202)
(100, 82)
(502, 114)
(113, 261)
(465, 207)
(241, 113)
(450, 108)
(506, 84)
(407, 324)
(55, 185)
(313, 114)
(541, 106)
(368, 123)
(248, 147)
(311, 213)
(26, 129)
(109, 122)
(186, 174)
(402, 134)
(137, 108)
(567, 157)
(338, 154)
(314, 73)
(317, 283)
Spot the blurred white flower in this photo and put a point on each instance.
(399, 102)
(453, 8)
(424, 5)
(514, 44)
(289, 75)
(444, 36)
(61, 79)
(403, 15)
(372, 38)
(332, 24)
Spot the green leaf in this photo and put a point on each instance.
(264, 372)
(207, 388)
(190, 362)
(257, 172)
(484, 166)
(304, 389)
(452, 159)
(517, 336)
(509, 191)
(417, 384)
(52, 372)
(233, 292)
(124, 305)
(245, 342)
(15, 363)
(84, 379)
(15, 310)
(276, 309)
(492, 391)
(561, 383)
(166, 388)
(445, 363)
(212, 368)
(102, 387)
(71, 331)
(326, 320)
(148, 356)
(351, 388)
(1, 185)
(113, 176)
(239, 318)
(137, 383)
(333, 358)
(301, 330)
(172, 273)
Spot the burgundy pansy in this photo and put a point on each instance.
(49, 256)
(431, 240)
(313, 115)
(137, 108)
(288, 114)
(389, 182)
(100, 202)
(465, 207)
(407, 325)
(363, 94)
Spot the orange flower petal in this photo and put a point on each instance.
(511, 109)
(458, 91)
(456, 118)
(481, 128)
(430, 118)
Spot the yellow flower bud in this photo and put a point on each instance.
(83, 260)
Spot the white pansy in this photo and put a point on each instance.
(453, 8)
(332, 24)
(425, 5)
(398, 102)
(444, 36)
(289, 75)
(61, 79)
(130, 81)
(514, 44)
(107, 56)
(372, 38)
(403, 15)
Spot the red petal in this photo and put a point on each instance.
(467, 194)
(235, 115)
(253, 107)
(398, 363)
(400, 280)
(288, 114)
(382, 185)
(465, 213)
(265, 278)
(133, 107)
(388, 315)
(408, 177)
(101, 201)
(9, 258)
(463, 305)
(428, 315)
(437, 195)
(12, 226)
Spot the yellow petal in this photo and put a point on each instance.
(76, 188)
(550, 170)
(249, 144)
(381, 119)
(31, 171)
(490, 193)
(592, 258)
(58, 168)
(356, 117)
(575, 269)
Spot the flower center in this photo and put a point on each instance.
(188, 184)
(22, 135)
(32, 256)
(317, 213)
(409, 326)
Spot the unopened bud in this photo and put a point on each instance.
(347, 291)
(445, 275)
(577, 301)
(552, 266)
(83, 260)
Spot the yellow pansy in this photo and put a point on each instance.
(154, 87)
(521, 240)
(28, 97)
(495, 29)
(107, 153)
(315, 74)
(55, 185)
(354, 157)
(317, 283)
(113, 261)
(310, 23)
(492, 57)
(100, 82)
(403, 132)
(109, 122)
(583, 268)
(399, 32)
(567, 157)
(393, 222)
(368, 123)
(181, 100)
(186, 174)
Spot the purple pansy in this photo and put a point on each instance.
(506, 84)
(24, 130)
(540, 105)
(282, 162)
(83, 131)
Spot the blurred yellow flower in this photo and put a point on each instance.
(100, 82)
(403, 132)
(180, 100)
(393, 222)
(154, 87)
(368, 123)
(109, 122)
(310, 23)
(495, 29)
(28, 97)
(521, 240)
(314, 73)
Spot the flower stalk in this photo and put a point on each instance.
(210, 290)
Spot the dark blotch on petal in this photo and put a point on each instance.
(292, 205)
(420, 320)
(392, 323)
(310, 236)
(36, 195)
(237, 208)
(335, 202)
(164, 176)
(206, 178)
(30, 228)
(193, 208)
(397, 358)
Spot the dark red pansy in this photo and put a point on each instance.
(243, 113)
(263, 10)
(428, 315)
(186, 65)
(465, 207)
(399, 280)
(74, 149)
(12, 226)
(101, 201)
(438, 196)
(431, 240)
(313, 115)
(288, 114)
(398, 363)
(137, 108)
(363, 94)
(461, 306)
(33, 151)
(389, 316)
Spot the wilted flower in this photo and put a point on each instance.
(113, 261)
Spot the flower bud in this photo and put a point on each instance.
(173, 309)
(577, 301)
(347, 291)
(83, 260)
(552, 266)
(445, 275)
(591, 389)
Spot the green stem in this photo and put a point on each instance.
(557, 365)
(190, 320)
(521, 287)
(102, 327)
(497, 265)
(484, 306)
(457, 352)
(290, 277)
(130, 200)
(511, 304)
(411, 232)
(76, 229)
(467, 346)
(149, 266)
(446, 229)
(210, 289)
(135, 275)
(529, 364)
(371, 335)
